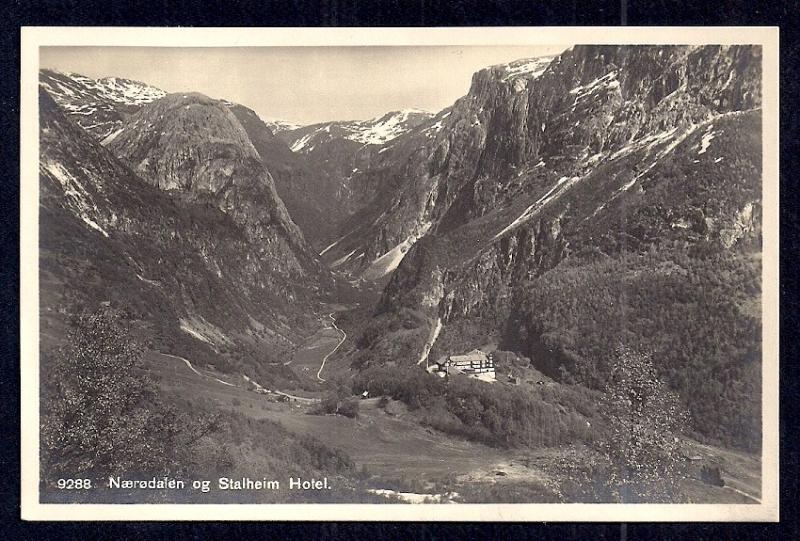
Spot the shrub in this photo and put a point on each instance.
(333, 404)
(493, 414)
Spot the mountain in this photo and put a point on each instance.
(206, 263)
(309, 193)
(563, 206)
(102, 106)
(337, 153)
(277, 126)
(97, 105)
(516, 125)
(416, 175)
(611, 197)
(376, 131)
(193, 145)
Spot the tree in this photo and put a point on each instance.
(643, 419)
(100, 413)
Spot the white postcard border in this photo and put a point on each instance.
(35, 37)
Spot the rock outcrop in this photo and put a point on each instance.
(196, 146)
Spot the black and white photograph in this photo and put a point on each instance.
(405, 276)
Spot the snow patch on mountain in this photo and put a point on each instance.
(97, 105)
(437, 126)
(277, 126)
(79, 199)
(671, 139)
(342, 260)
(331, 245)
(110, 137)
(389, 261)
(386, 128)
(558, 188)
(530, 68)
(115, 89)
(706, 141)
(376, 131)
(301, 143)
(608, 82)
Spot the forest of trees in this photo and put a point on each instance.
(698, 315)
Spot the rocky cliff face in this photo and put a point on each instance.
(311, 196)
(102, 106)
(196, 146)
(606, 148)
(520, 130)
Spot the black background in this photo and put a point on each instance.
(17, 13)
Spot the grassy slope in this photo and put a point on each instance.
(398, 453)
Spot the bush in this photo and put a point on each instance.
(494, 414)
(333, 404)
(349, 408)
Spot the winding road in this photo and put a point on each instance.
(344, 337)
(193, 369)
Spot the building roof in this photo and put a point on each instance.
(474, 355)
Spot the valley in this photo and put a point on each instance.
(402, 456)
(590, 220)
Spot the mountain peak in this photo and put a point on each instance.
(375, 131)
(97, 105)
(529, 68)
(276, 126)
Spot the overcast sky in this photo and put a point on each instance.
(301, 84)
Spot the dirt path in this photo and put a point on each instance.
(740, 471)
(193, 369)
(298, 398)
(344, 337)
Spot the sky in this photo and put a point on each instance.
(301, 84)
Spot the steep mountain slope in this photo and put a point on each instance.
(195, 279)
(195, 146)
(310, 195)
(415, 177)
(339, 153)
(517, 130)
(636, 166)
(97, 105)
